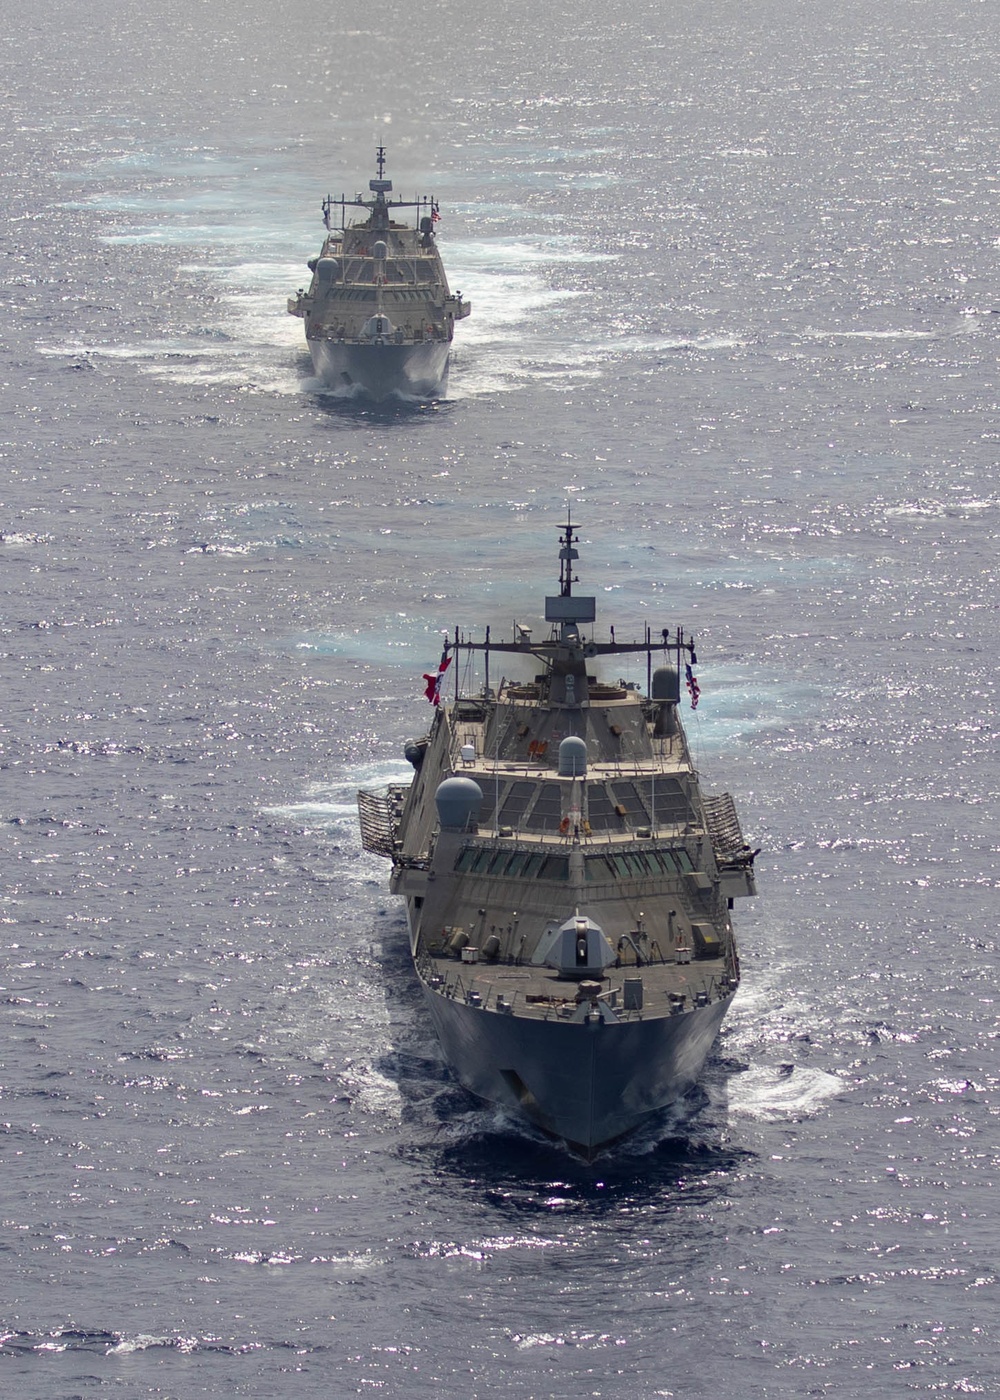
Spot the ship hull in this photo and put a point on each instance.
(378, 372)
(585, 1084)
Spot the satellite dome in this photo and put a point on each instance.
(572, 758)
(458, 800)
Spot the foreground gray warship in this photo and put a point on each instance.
(379, 317)
(567, 882)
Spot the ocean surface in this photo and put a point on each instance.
(734, 275)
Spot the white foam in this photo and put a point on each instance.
(373, 1091)
(488, 254)
(524, 327)
(334, 803)
(902, 334)
(322, 813)
(776, 1094)
(515, 335)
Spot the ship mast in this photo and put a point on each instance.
(565, 652)
(380, 206)
(566, 556)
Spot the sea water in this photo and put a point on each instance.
(733, 273)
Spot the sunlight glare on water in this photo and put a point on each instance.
(733, 277)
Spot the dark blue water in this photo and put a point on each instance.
(734, 278)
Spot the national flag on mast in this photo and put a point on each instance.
(694, 689)
(435, 212)
(433, 691)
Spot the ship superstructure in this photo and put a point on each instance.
(568, 884)
(379, 315)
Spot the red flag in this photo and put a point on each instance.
(433, 691)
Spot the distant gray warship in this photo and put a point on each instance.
(568, 885)
(379, 316)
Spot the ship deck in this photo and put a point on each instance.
(667, 988)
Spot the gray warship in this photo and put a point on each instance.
(379, 316)
(568, 884)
